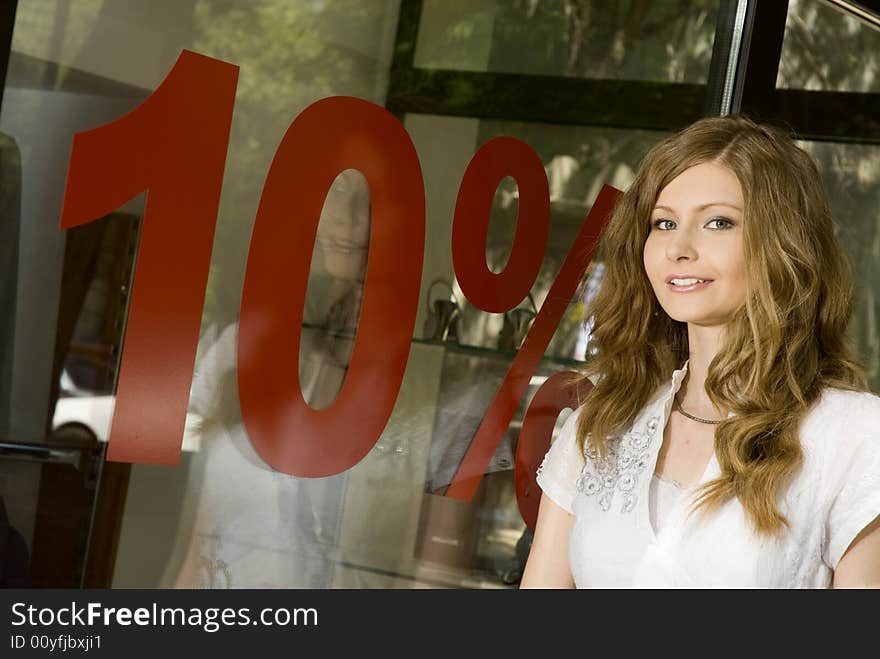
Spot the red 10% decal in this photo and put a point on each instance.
(174, 146)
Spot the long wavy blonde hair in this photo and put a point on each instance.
(782, 347)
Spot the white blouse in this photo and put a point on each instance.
(613, 543)
(662, 497)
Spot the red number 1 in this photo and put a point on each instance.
(174, 147)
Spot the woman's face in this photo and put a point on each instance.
(697, 233)
(344, 230)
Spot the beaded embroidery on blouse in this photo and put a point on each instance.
(619, 471)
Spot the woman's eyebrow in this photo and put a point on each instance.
(702, 206)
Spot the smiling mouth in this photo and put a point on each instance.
(688, 284)
(341, 245)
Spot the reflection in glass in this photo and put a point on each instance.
(335, 290)
(663, 40)
(442, 316)
(297, 521)
(852, 178)
(812, 56)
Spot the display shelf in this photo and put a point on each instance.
(455, 347)
(479, 350)
(427, 574)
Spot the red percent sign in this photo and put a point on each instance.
(174, 147)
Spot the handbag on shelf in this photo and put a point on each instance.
(443, 315)
(448, 531)
(517, 323)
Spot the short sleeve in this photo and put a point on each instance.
(853, 486)
(562, 465)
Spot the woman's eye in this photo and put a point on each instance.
(724, 223)
(663, 225)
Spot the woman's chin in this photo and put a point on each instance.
(344, 266)
(692, 317)
(346, 271)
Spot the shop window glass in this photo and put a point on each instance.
(826, 49)
(665, 40)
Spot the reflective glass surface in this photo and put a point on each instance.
(827, 49)
(662, 40)
(223, 517)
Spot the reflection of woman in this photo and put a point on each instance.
(256, 527)
(728, 441)
(335, 288)
(314, 506)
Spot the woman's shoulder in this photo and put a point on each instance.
(859, 407)
(569, 428)
(841, 418)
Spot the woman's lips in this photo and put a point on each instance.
(341, 245)
(689, 288)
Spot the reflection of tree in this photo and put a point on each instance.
(812, 58)
(852, 173)
(52, 31)
(665, 40)
(638, 39)
(290, 54)
(826, 50)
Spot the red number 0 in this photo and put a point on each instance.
(326, 138)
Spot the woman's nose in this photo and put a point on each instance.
(350, 219)
(681, 246)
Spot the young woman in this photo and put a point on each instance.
(730, 440)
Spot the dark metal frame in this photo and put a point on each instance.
(813, 115)
(726, 52)
(7, 23)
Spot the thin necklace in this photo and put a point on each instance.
(691, 416)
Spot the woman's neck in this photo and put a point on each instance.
(703, 344)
